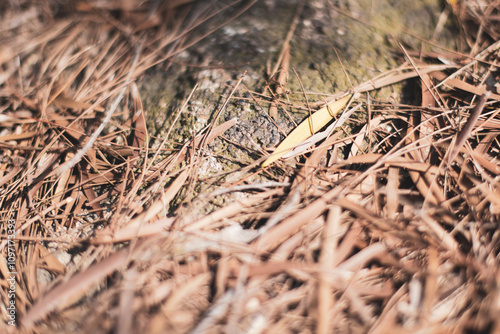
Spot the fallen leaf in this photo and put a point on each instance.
(307, 128)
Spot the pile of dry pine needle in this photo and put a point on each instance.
(401, 236)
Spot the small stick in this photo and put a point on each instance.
(282, 65)
(280, 83)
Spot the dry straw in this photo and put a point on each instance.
(401, 235)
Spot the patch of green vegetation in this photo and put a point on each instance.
(359, 43)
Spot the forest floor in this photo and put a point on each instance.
(139, 191)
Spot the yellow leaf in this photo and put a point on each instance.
(307, 128)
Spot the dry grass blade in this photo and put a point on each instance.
(63, 294)
(466, 131)
(327, 260)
